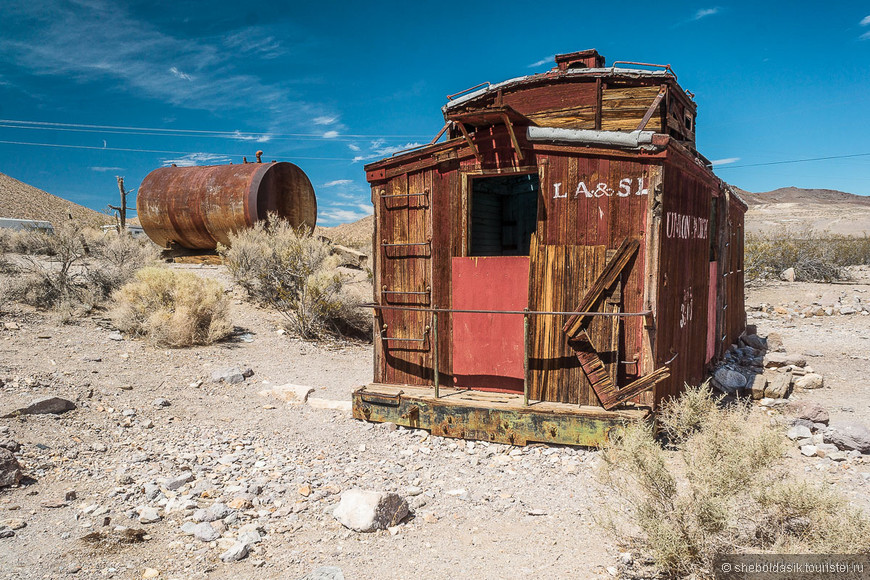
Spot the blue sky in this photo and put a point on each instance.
(121, 88)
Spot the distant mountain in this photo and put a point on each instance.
(821, 209)
(25, 202)
(798, 195)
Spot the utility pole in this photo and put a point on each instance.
(122, 210)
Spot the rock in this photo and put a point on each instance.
(808, 450)
(367, 511)
(240, 503)
(813, 353)
(757, 385)
(803, 422)
(810, 381)
(236, 552)
(330, 404)
(849, 435)
(149, 515)
(230, 376)
(774, 341)
(217, 511)
(293, 394)
(150, 573)
(250, 537)
(799, 432)
(350, 258)
(115, 336)
(825, 449)
(44, 406)
(729, 381)
(754, 341)
(845, 310)
(10, 445)
(325, 573)
(188, 528)
(161, 402)
(779, 387)
(205, 532)
(10, 470)
(787, 275)
(4, 533)
(778, 359)
(13, 523)
(178, 481)
(810, 411)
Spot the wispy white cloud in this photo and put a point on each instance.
(106, 169)
(336, 214)
(337, 182)
(725, 161)
(256, 41)
(325, 120)
(178, 74)
(865, 21)
(865, 36)
(239, 136)
(543, 61)
(353, 147)
(330, 135)
(192, 159)
(93, 40)
(705, 12)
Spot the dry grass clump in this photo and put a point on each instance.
(171, 308)
(814, 255)
(72, 269)
(295, 273)
(717, 487)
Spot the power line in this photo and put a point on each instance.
(95, 148)
(793, 161)
(22, 124)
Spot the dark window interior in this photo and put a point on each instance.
(504, 214)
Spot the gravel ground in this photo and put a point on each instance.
(114, 488)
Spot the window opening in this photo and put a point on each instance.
(504, 214)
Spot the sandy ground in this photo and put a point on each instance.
(479, 511)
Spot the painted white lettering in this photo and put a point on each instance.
(624, 187)
(641, 190)
(557, 187)
(581, 188)
(686, 227)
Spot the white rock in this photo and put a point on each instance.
(808, 450)
(799, 432)
(330, 404)
(367, 511)
(293, 394)
(236, 552)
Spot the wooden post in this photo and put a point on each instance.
(122, 210)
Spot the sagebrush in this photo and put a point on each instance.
(713, 484)
(297, 274)
(814, 255)
(70, 269)
(172, 308)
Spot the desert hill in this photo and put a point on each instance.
(823, 209)
(25, 202)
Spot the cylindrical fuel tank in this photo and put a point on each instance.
(197, 207)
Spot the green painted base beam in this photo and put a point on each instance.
(484, 416)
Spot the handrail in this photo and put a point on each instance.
(450, 97)
(535, 312)
(667, 67)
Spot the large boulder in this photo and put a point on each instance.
(10, 470)
(779, 386)
(810, 381)
(728, 381)
(849, 435)
(367, 511)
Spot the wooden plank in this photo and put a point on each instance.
(608, 276)
(601, 381)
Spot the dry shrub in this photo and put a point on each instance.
(73, 268)
(720, 489)
(295, 273)
(814, 255)
(172, 308)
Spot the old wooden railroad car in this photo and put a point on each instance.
(563, 262)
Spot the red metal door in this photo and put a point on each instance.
(488, 348)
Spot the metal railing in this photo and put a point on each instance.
(526, 313)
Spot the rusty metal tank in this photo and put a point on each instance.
(197, 207)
